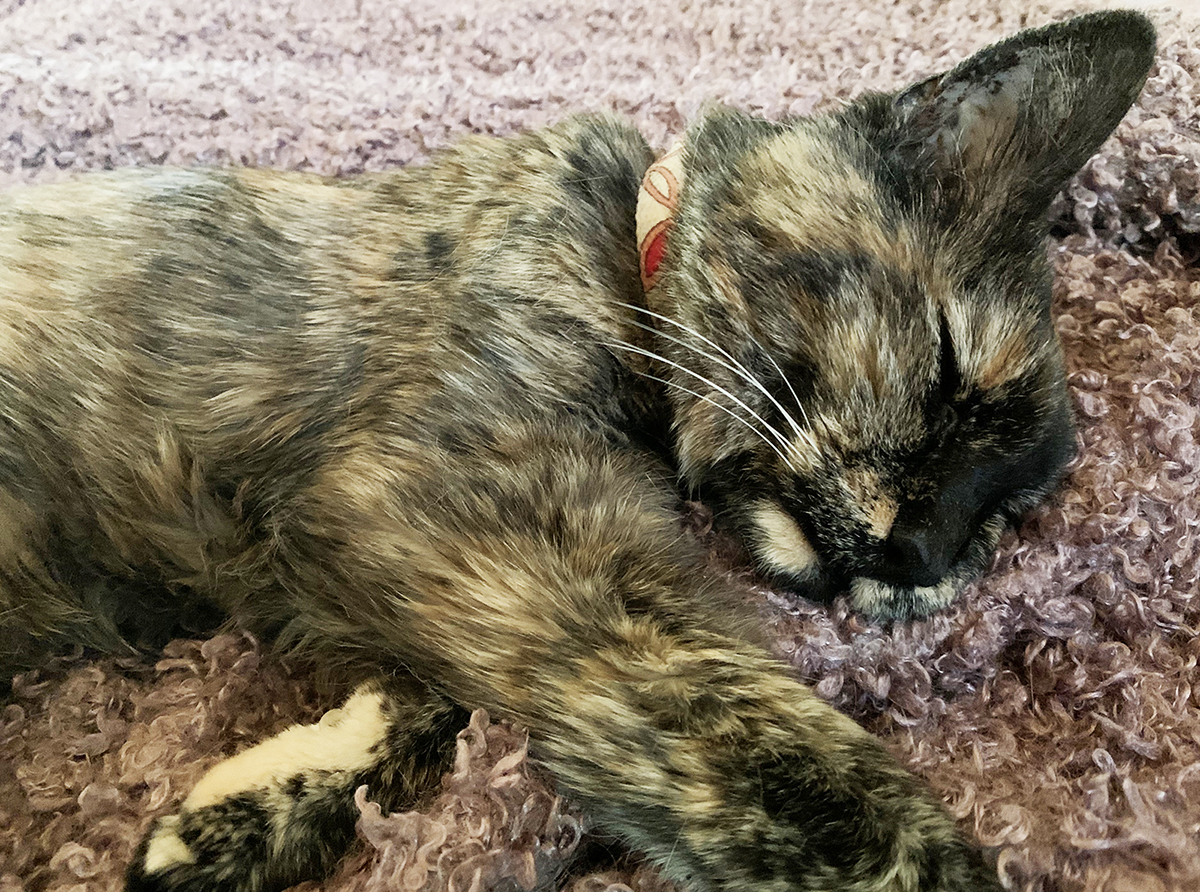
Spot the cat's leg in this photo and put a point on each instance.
(62, 582)
(283, 811)
(54, 594)
(49, 596)
(569, 600)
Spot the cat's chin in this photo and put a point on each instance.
(886, 601)
(874, 598)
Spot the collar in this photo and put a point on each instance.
(657, 200)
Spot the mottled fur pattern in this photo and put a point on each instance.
(427, 422)
(285, 809)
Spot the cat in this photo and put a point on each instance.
(428, 428)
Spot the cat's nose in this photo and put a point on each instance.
(919, 554)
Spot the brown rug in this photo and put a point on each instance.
(1056, 707)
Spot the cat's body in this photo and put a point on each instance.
(427, 423)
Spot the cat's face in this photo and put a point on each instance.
(912, 400)
(863, 316)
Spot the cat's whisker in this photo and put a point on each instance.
(728, 412)
(736, 367)
(650, 354)
(792, 390)
(678, 324)
(631, 348)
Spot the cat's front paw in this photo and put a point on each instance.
(283, 811)
(235, 846)
(271, 816)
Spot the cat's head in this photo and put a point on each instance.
(866, 374)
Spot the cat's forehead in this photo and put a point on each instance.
(810, 184)
(815, 198)
(892, 283)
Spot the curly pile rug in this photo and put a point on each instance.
(1056, 707)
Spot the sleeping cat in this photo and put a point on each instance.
(428, 427)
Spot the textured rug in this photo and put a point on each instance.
(1056, 707)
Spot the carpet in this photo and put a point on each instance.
(1055, 707)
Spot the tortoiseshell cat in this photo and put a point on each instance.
(425, 426)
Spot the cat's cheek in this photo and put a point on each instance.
(779, 544)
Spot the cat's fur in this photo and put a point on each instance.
(425, 426)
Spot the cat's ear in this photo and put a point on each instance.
(1021, 116)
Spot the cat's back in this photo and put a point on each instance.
(192, 349)
(514, 213)
(224, 293)
(189, 359)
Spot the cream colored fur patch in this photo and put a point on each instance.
(166, 849)
(344, 739)
(782, 545)
(878, 509)
(872, 596)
